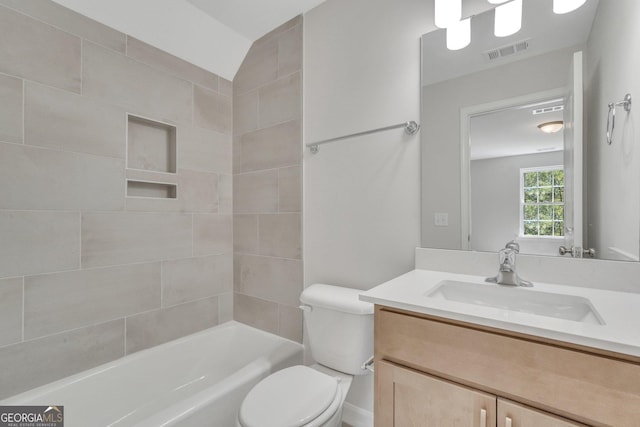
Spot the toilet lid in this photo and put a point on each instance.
(291, 397)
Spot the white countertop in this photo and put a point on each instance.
(619, 310)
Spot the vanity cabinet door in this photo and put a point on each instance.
(512, 414)
(407, 398)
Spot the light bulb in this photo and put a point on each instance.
(447, 12)
(508, 18)
(566, 6)
(459, 34)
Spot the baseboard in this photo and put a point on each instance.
(355, 416)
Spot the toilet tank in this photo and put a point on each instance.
(339, 327)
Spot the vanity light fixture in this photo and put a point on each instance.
(566, 6)
(508, 18)
(447, 12)
(459, 34)
(551, 127)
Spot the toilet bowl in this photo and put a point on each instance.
(340, 334)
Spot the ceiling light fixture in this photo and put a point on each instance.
(459, 34)
(508, 18)
(447, 12)
(551, 127)
(566, 6)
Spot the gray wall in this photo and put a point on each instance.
(495, 203)
(612, 69)
(88, 275)
(267, 182)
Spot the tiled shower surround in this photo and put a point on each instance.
(267, 183)
(88, 275)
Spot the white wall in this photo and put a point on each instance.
(176, 27)
(362, 195)
(495, 203)
(441, 122)
(613, 67)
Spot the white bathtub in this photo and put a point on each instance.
(199, 380)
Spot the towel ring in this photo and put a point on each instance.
(611, 115)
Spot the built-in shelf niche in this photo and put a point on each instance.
(151, 145)
(156, 190)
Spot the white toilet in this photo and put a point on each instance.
(340, 336)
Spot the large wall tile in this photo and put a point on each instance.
(273, 279)
(61, 301)
(273, 147)
(38, 242)
(259, 67)
(226, 87)
(65, 121)
(225, 307)
(290, 51)
(10, 311)
(195, 278)
(281, 101)
(290, 322)
(37, 362)
(204, 150)
(212, 110)
(166, 62)
(198, 191)
(36, 178)
(245, 112)
(280, 235)
(290, 189)
(114, 78)
(225, 194)
(70, 21)
(245, 234)
(255, 192)
(255, 312)
(212, 234)
(159, 326)
(10, 109)
(122, 238)
(37, 51)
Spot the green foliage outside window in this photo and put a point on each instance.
(543, 202)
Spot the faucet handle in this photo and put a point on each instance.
(513, 245)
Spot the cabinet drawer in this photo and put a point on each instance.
(589, 388)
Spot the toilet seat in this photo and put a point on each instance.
(293, 397)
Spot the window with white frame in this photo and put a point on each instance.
(542, 202)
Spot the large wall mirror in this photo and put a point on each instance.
(514, 143)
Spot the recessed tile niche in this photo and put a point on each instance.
(156, 190)
(151, 147)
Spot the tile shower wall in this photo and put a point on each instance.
(88, 275)
(267, 183)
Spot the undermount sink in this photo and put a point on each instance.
(513, 298)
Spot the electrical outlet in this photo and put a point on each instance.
(441, 219)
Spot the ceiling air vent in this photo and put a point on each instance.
(507, 50)
(547, 110)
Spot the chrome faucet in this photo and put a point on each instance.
(507, 274)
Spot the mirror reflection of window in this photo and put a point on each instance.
(517, 177)
(542, 202)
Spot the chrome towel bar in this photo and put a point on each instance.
(410, 128)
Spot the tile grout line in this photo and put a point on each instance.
(23, 313)
(24, 109)
(81, 66)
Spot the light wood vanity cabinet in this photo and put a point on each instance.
(432, 372)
